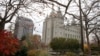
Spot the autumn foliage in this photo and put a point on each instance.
(8, 44)
(86, 48)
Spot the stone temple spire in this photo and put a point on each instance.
(52, 7)
(59, 12)
(52, 14)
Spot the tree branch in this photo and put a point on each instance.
(67, 7)
(14, 12)
(57, 3)
(94, 17)
(91, 7)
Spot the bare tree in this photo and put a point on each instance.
(89, 17)
(10, 8)
(96, 33)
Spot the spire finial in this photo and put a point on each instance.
(52, 6)
(58, 8)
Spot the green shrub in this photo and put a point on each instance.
(70, 54)
(58, 44)
(72, 44)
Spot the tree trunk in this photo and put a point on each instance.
(98, 41)
(87, 35)
(81, 28)
(2, 25)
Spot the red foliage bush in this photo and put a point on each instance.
(8, 44)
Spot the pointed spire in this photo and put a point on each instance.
(59, 9)
(52, 7)
(59, 12)
(52, 12)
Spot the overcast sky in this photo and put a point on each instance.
(41, 11)
(37, 16)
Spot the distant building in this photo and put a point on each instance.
(23, 27)
(53, 26)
